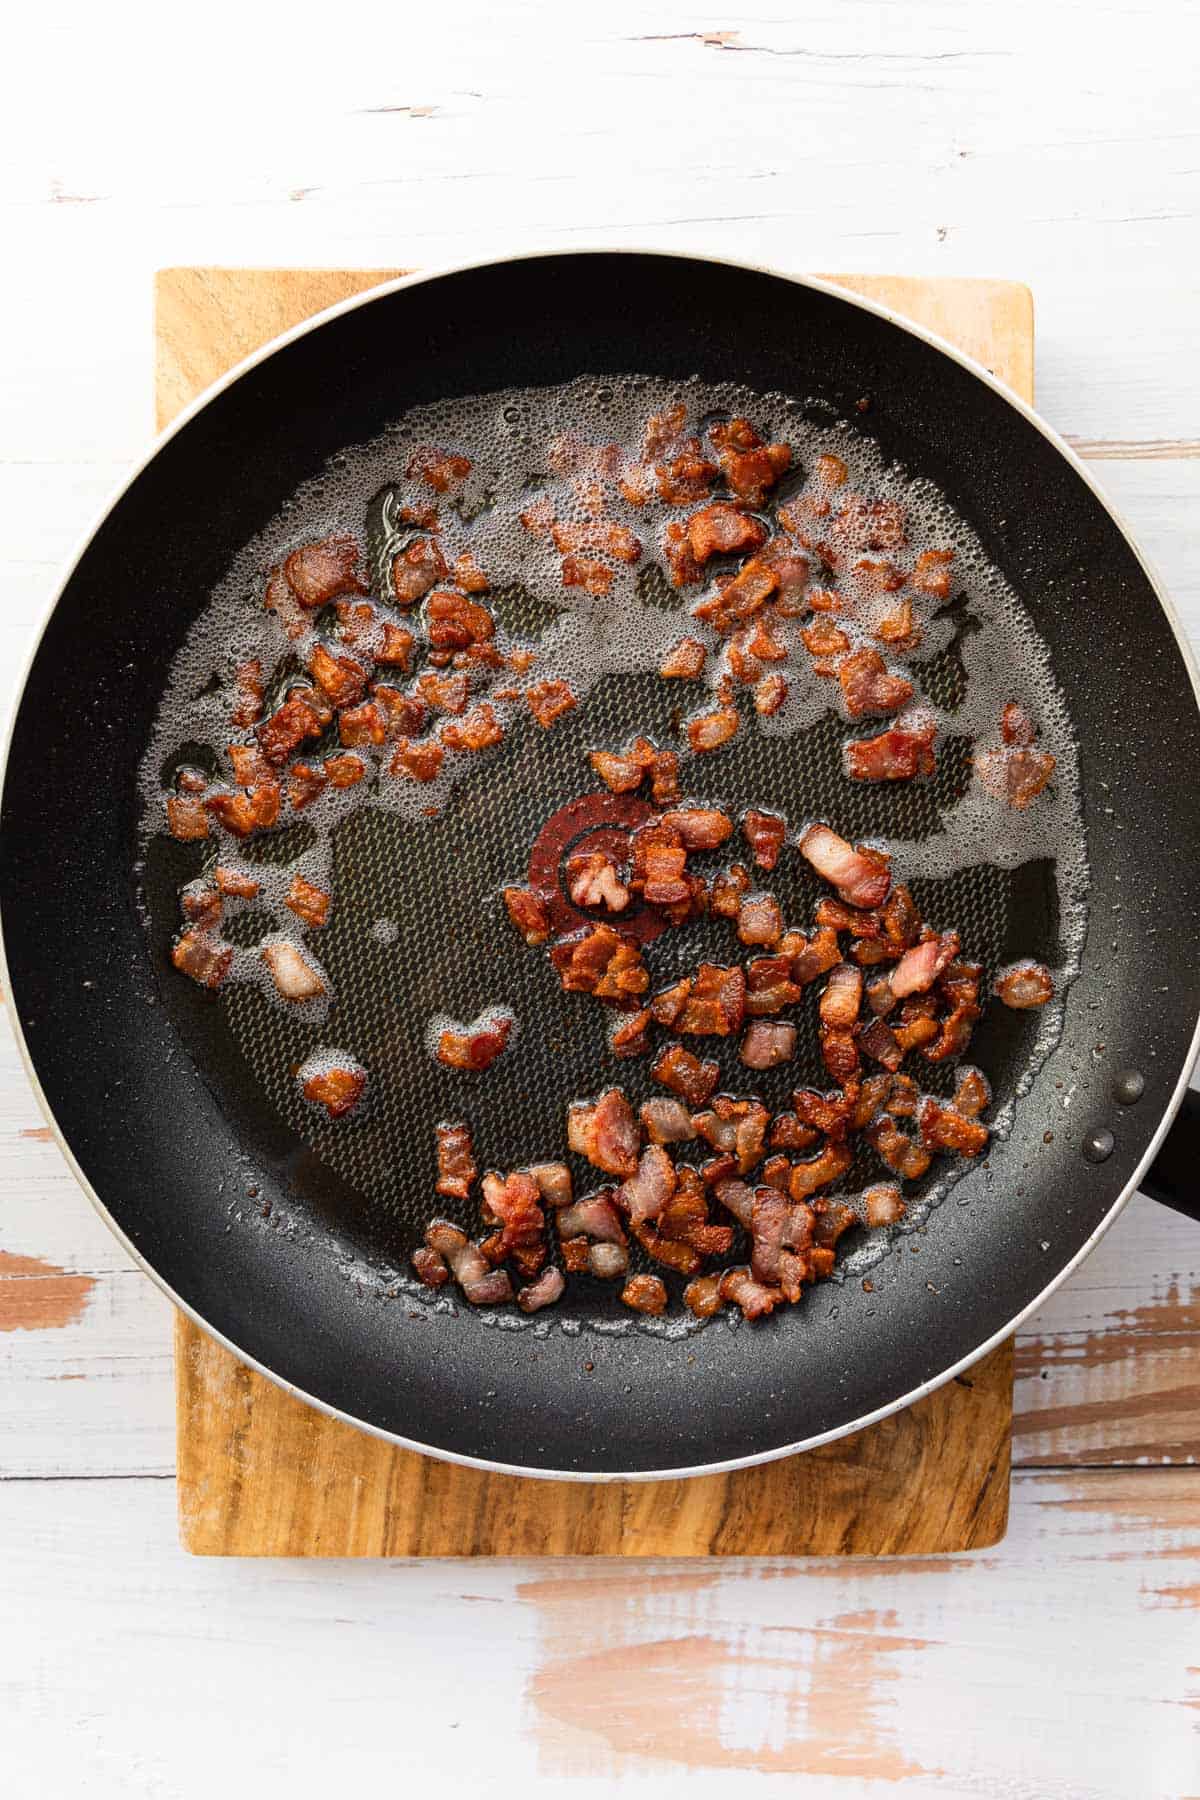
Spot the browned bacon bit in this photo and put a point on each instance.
(958, 984)
(318, 573)
(646, 1192)
(685, 1074)
(396, 650)
(337, 1089)
(895, 755)
(686, 478)
(455, 622)
(861, 876)
(186, 817)
(606, 1133)
(920, 967)
(716, 1003)
(882, 1205)
(598, 534)
(457, 1168)
(309, 903)
(839, 1052)
(769, 987)
(711, 730)
(754, 1300)
(442, 470)
(760, 921)
(906, 1159)
(356, 622)
(816, 957)
(430, 1268)
(620, 774)
(420, 761)
(770, 694)
(295, 979)
(869, 1100)
(248, 693)
(365, 724)
(729, 888)
(529, 913)
(843, 992)
(685, 661)
(789, 1133)
(722, 527)
(594, 1217)
(847, 918)
(305, 785)
(588, 573)
(902, 1100)
(826, 643)
(666, 1121)
(782, 1235)
(287, 728)
(478, 1047)
(481, 1285)
(867, 686)
(700, 827)
(446, 693)
(972, 1094)
(942, 1128)
(702, 1297)
(477, 730)
(553, 1182)
(878, 1040)
(344, 771)
(681, 564)
(659, 860)
(469, 576)
(538, 518)
(514, 1203)
(898, 628)
(403, 714)
(340, 678)
(765, 833)
(767, 1044)
(235, 884)
(630, 1036)
(545, 1291)
(418, 567)
(931, 573)
(739, 597)
(917, 1025)
(645, 1294)
(549, 700)
(244, 814)
(1016, 776)
(1016, 726)
(751, 467)
(1025, 985)
(203, 957)
(807, 1177)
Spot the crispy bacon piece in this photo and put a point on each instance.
(895, 755)
(898, 628)
(839, 1053)
(878, 1040)
(430, 1268)
(754, 1300)
(364, 724)
(419, 761)
(685, 661)
(917, 1025)
(249, 765)
(716, 1002)
(588, 573)
(902, 1100)
(198, 954)
(529, 913)
(624, 772)
(309, 902)
(418, 568)
(942, 1128)
(721, 527)
(658, 864)
(767, 1044)
(442, 470)
(396, 649)
(294, 977)
(770, 694)
(817, 1172)
(685, 1074)
(782, 1237)
(789, 1133)
(479, 1045)
(337, 1088)
(826, 643)
(700, 827)
(597, 534)
(593, 1217)
(630, 1035)
(729, 888)
(1016, 726)
(711, 730)
(469, 576)
(769, 986)
(186, 817)
(861, 876)
(457, 1168)
(1023, 985)
(959, 985)
(287, 728)
(882, 1205)
(666, 1121)
(606, 1133)
(553, 1182)
(645, 1294)
(305, 785)
(1016, 776)
(906, 1159)
(319, 572)
(750, 467)
(814, 956)
(446, 693)
(867, 686)
(647, 1191)
(759, 920)
(599, 962)
(545, 1291)
(344, 770)
(477, 730)
(403, 714)
(920, 967)
(931, 573)
(248, 693)
(739, 597)
(549, 700)
(481, 1285)
(235, 884)
(702, 1297)
(514, 1203)
(843, 992)
(454, 622)
(244, 814)
(765, 833)
(972, 1094)
(340, 678)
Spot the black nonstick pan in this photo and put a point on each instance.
(293, 1250)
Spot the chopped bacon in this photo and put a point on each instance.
(249, 765)
(767, 1044)
(479, 1045)
(1016, 726)
(597, 534)
(599, 962)
(738, 598)
(861, 876)
(898, 628)
(839, 1052)
(455, 622)
(457, 1168)
(305, 785)
(920, 967)
(931, 573)
(685, 1074)
(817, 1172)
(942, 1128)
(364, 724)
(666, 1121)
(186, 817)
(403, 714)
(700, 827)
(972, 1094)
(418, 568)
(481, 1285)
(722, 527)
(1016, 776)
(782, 1236)
(1024, 985)
(586, 572)
(759, 920)
(442, 470)
(769, 986)
(765, 833)
(430, 1268)
(244, 814)
(729, 888)
(770, 694)
(816, 956)
(702, 1297)
(917, 1026)
(469, 576)
(646, 1192)
(477, 730)
(294, 977)
(309, 903)
(755, 1300)
(319, 572)
(235, 883)
(715, 1004)
(553, 1182)
(446, 693)
(895, 755)
(594, 1217)
(645, 1294)
(843, 992)
(711, 730)
(287, 728)
(630, 1036)
(685, 661)
(545, 1291)
(340, 678)
(396, 649)
(198, 954)
(337, 1088)
(549, 700)
(606, 1133)
(619, 773)
(248, 693)
(879, 1042)
(529, 913)
(903, 1098)
(750, 467)
(906, 1159)
(420, 761)
(344, 770)
(882, 1205)
(867, 686)
(514, 1203)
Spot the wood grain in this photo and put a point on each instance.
(262, 1474)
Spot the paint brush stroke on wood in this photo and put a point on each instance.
(39, 1296)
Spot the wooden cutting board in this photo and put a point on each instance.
(261, 1474)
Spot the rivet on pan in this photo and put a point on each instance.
(1098, 1145)
(1128, 1086)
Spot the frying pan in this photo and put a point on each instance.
(290, 1243)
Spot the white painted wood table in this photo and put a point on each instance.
(1055, 144)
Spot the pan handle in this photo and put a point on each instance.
(1174, 1176)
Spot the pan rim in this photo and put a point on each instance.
(821, 285)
